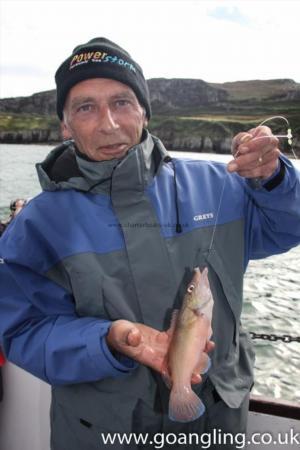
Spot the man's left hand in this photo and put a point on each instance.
(255, 158)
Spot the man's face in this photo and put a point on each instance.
(104, 118)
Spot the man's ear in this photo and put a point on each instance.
(65, 132)
(146, 121)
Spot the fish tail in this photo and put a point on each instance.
(184, 405)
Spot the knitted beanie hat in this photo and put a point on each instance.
(100, 58)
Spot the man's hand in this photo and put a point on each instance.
(256, 153)
(144, 344)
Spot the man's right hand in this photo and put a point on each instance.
(144, 344)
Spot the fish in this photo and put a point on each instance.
(191, 328)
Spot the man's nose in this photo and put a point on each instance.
(107, 120)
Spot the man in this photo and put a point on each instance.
(93, 267)
(15, 207)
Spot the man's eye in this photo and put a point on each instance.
(85, 108)
(122, 102)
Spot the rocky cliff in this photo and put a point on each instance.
(42, 103)
(181, 95)
(188, 114)
(167, 96)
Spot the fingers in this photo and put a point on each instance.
(196, 378)
(249, 159)
(261, 131)
(133, 338)
(204, 363)
(256, 154)
(252, 136)
(250, 165)
(263, 168)
(239, 139)
(210, 345)
(123, 334)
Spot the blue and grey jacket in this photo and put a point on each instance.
(100, 243)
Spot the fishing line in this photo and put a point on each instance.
(218, 212)
(287, 136)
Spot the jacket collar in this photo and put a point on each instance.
(134, 171)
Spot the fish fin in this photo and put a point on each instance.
(185, 405)
(204, 364)
(165, 373)
(201, 368)
(198, 311)
(174, 317)
(167, 379)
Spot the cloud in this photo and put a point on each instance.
(213, 40)
(230, 14)
(16, 70)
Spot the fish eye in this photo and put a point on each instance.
(191, 288)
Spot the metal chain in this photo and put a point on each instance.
(273, 337)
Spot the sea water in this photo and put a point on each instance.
(271, 289)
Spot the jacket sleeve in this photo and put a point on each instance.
(272, 217)
(40, 331)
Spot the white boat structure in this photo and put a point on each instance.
(24, 416)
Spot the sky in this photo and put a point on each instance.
(216, 41)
